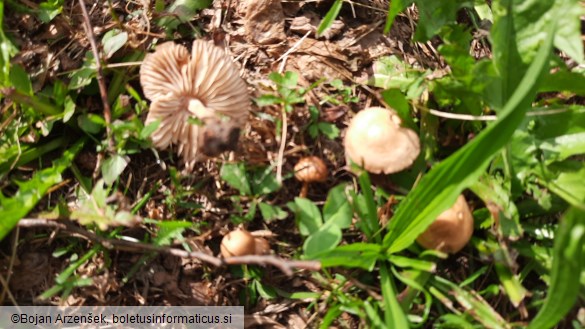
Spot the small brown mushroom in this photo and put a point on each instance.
(204, 85)
(376, 141)
(261, 246)
(310, 169)
(451, 231)
(238, 243)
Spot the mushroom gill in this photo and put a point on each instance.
(204, 85)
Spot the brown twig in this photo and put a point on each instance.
(100, 76)
(284, 265)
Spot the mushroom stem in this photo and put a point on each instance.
(304, 190)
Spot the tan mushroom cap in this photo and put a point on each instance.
(204, 84)
(376, 141)
(451, 231)
(238, 243)
(311, 169)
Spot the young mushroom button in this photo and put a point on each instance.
(376, 141)
(310, 170)
(204, 86)
(451, 231)
(238, 243)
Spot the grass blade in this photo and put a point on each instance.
(330, 17)
(565, 272)
(393, 314)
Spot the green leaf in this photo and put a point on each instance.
(565, 271)
(21, 80)
(395, 7)
(330, 17)
(439, 188)
(49, 10)
(393, 314)
(356, 255)
(263, 181)
(113, 167)
(270, 213)
(169, 231)
(91, 123)
(325, 239)
(433, 15)
(329, 130)
(149, 129)
(472, 303)
(83, 76)
(182, 11)
(337, 208)
(112, 41)
(235, 175)
(30, 193)
(308, 216)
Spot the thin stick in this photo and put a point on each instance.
(100, 76)
(284, 265)
(282, 146)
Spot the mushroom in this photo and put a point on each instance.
(309, 170)
(451, 231)
(205, 86)
(238, 243)
(241, 242)
(261, 246)
(376, 141)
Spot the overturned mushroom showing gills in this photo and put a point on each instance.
(451, 231)
(194, 94)
(376, 141)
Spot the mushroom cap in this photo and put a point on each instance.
(311, 169)
(238, 243)
(262, 247)
(204, 84)
(376, 141)
(451, 231)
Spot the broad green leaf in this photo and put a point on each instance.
(434, 15)
(391, 72)
(21, 80)
(235, 175)
(325, 239)
(270, 212)
(113, 167)
(308, 216)
(328, 130)
(7, 50)
(182, 11)
(263, 181)
(330, 17)
(83, 76)
(169, 231)
(565, 271)
(439, 188)
(356, 255)
(564, 80)
(30, 192)
(112, 41)
(337, 208)
(91, 123)
(50, 9)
